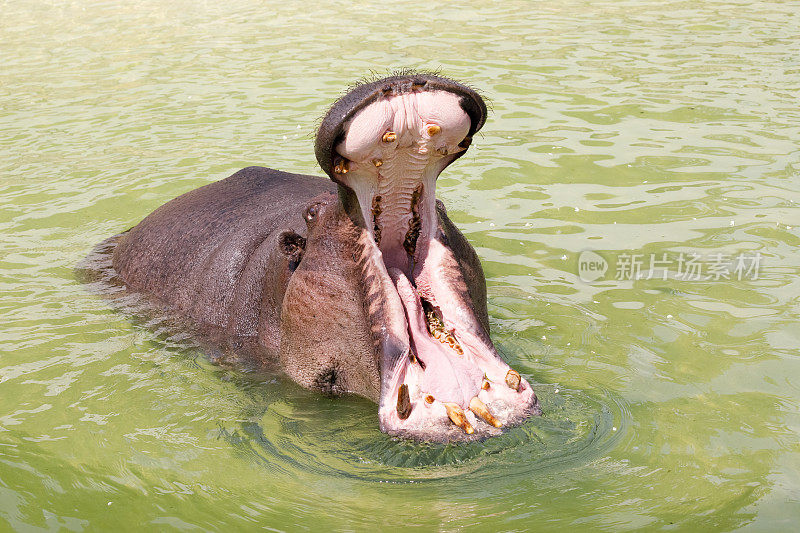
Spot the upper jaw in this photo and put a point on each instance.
(332, 128)
(385, 143)
(390, 157)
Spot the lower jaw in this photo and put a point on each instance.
(408, 406)
(436, 422)
(421, 404)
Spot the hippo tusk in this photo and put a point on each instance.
(403, 402)
(480, 409)
(458, 417)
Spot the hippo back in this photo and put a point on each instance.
(208, 254)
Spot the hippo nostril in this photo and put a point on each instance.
(389, 137)
(328, 382)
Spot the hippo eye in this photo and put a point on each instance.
(311, 212)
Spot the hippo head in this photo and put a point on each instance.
(420, 297)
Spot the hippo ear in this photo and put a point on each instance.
(292, 245)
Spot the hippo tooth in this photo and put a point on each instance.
(433, 129)
(389, 137)
(414, 359)
(480, 409)
(403, 402)
(457, 416)
(485, 385)
(341, 167)
(513, 379)
(377, 162)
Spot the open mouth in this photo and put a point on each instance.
(388, 148)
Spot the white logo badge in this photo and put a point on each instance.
(591, 266)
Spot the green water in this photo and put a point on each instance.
(621, 127)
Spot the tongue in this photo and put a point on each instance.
(448, 376)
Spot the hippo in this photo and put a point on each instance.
(357, 284)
